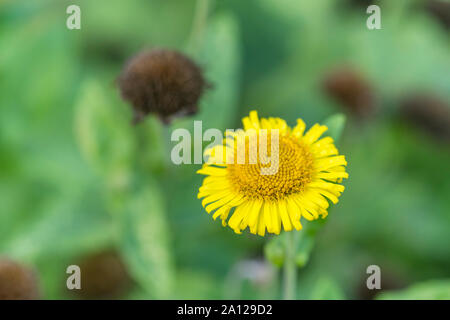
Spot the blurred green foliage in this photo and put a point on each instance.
(76, 177)
(430, 290)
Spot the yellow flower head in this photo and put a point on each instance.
(281, 175)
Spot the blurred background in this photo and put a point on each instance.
(79, 184)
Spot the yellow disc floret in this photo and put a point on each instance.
(294, 171)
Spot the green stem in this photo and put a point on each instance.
(290, 268)
(198, 25)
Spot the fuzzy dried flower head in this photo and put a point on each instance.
(104, 276)
(440, 10)
(351, 90)
(309, 170)
(17, 282)
(163, 82)
(428, 112)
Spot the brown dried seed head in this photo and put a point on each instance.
(440, 10)
(350, 90)
(103, 276)
(162, 82)
(17, 282)
(429, 113)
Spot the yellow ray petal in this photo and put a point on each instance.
(307, 210)
(294, 213)
(267, 217)
(254, 212)
(212, 171)
(317, 199)
(276, 221)
(254, 119)
(332, 175)
(213, 206)
(215, 197)
(221, 211)
(299, 129)
(324, 164)
(261, 225)
(327, 194)
(285, 219)
(314, 133)
(322, 143)
(237, 217)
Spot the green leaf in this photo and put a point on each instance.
(103, 134)
(144, 241)
(326, 289)
(193, 284)
(220, 59)
(72, 224)
(305, 245)
(154, 153)
(305, 241)
(274, 250)
(429, 290)
(335, 124)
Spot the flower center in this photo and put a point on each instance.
(294, 164)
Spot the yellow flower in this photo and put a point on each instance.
(304, 172)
